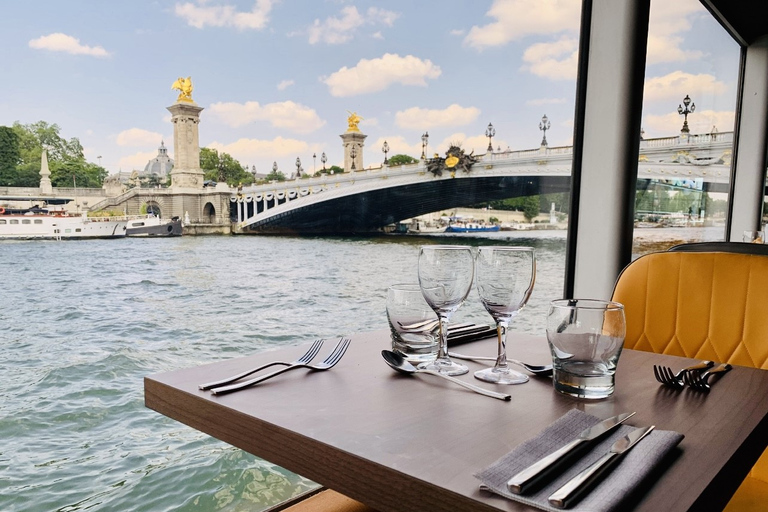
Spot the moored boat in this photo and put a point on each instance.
(40, 223)
(421, 227)
(150, 225)
(471, 228)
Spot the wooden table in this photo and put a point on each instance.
(402, 443)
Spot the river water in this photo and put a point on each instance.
(82, 323)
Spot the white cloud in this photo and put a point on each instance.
(377, 35)
(59, 42)
(423, 119)
(458, 32)
(136, 137)
(221, 15)
(377, 74)
(668, 20)
(515, 19)
(287, 114)
(342, 29)
(398, 145)
(137, 161)
(476, 143)
(545, 101)
(677, 84)
(669, 125)
(284, 85)
(370, 122)
(249, 150)
(557, 60)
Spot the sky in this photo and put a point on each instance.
(278, 78)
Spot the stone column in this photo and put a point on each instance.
(186, 171)
(356, 140)
(46, 188)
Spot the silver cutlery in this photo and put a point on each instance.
(576, 486)
(544, 369)
(307, 357)
(523, 480)
(399, 363)
(701, 382)
(666, 376)
(328, 363)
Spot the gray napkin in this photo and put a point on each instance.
(608, 494)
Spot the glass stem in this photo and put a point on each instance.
(501, 331)
(442, 348)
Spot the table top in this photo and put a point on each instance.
(398, 442)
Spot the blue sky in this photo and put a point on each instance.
(277, 77)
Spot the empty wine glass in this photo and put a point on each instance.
(445, 277)
(505, 277)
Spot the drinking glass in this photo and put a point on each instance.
(445, 277)
(412, 323)
(586, 338)
(505, 277)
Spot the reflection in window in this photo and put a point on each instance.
(688, 120)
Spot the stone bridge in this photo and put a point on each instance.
(367, 200)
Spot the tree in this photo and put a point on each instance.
(9, 155)
(222, 167)
(531, 207)
(401, 160)
(275, 175)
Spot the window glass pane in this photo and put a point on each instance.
(688, 120)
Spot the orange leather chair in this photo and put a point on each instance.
(703, 301)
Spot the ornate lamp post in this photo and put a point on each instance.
(385, 149)
(314, 163)
(544, 126)
(685, 111)
(274, 167)
(424, 142)
(323, 159)
(490, 132)
(353, 154)
(298, 167)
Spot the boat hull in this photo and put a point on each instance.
(461, 229)
(54, 227)
(154, 228)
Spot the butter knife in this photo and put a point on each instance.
(576, 486)
(523, 480)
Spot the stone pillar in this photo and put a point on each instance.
(186, 171)
(357, 140)
(46, 188)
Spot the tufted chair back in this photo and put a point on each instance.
(701, 305)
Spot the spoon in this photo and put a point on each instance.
(545, 370)
(400, 364)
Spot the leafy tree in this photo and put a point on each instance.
(222, 167)
(9, 155)
(80, 173)
(336, 169)
(275, 175)
(401, 160)
(531, 207)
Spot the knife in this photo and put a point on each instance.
(523, 480)
(576, 486)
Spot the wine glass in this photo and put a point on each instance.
(505, 277)
(445, 277)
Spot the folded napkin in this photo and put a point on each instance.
(607, 495)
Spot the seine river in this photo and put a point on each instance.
(83, 322)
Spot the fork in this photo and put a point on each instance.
(665, 375)
(307, 357)
(701, 382)
(328, 363)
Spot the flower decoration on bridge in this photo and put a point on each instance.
(455, 159)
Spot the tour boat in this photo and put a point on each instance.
(471, 227)
(150, 225)
(42, 224)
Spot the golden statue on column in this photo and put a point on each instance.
(184, 86)
(353, 120)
